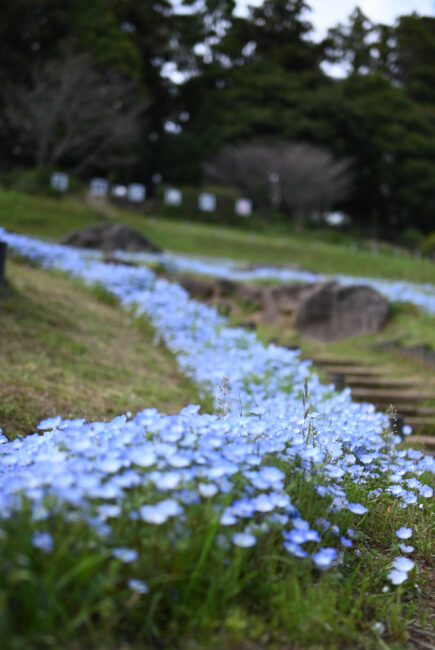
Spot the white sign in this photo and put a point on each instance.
(98, 187)
(207, 202)
(136, 192)
(336, 218)
(243, 207)
(173, 197)
(59, 181)
(120, 191)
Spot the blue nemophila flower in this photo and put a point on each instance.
(379, 628)
(271, 475)
(243, 508)
(125, 555)
(426, 491)
(295, 549)
(357, 508)
(301, 535)
(138, 586)
(300, 524)
(409, 498)
(404, 533)
(228, 519)
(264, 503)
(207, 489)
(49, 423)
(324, 558)
(366, 459)
(406, 430)
(168, 480)
(403, 564)
(406, 549)
(245, 540)
(43, 541)
(109, 510)
(295, 536)
(397, 577)
(161, 512)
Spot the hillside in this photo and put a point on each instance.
(53, 218)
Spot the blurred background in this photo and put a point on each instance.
(306, 109)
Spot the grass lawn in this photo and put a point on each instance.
(65, 351)
(53, 218)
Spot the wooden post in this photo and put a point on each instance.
(3, 251)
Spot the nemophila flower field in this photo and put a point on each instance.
(421, 295)
(285, 514)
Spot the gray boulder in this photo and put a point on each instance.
(331, 312)
(110, 237)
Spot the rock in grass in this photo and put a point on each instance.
(110, 237)
(331, 312)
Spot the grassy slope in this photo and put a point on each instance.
(47, 217)
(63, 351)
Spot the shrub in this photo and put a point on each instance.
(428, 245)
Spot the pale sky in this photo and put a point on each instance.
(327, 13)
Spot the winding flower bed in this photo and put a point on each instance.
(420, 295)
(276, 433)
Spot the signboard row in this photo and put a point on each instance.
(136, 193)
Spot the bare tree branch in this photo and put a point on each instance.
(306, 178)
(74, 115)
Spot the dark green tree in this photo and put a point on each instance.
(97, 30)
(415, 57)
(350, 43)
(389, 137)
(31, 31)
(276, 33)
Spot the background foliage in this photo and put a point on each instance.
(201, 81)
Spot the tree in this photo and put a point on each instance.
(415, 58)
(311, 180)
(31, 31)
(392, 142)
(275, 33)
(97, 30)
(301, 178)
(207, 26)
(351, 43)
(75, 116)
(248, 168)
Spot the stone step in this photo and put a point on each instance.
(427, 441)
(387, 382)
(394, 397)
(416, 410)
(361, 371)
(420, 424)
